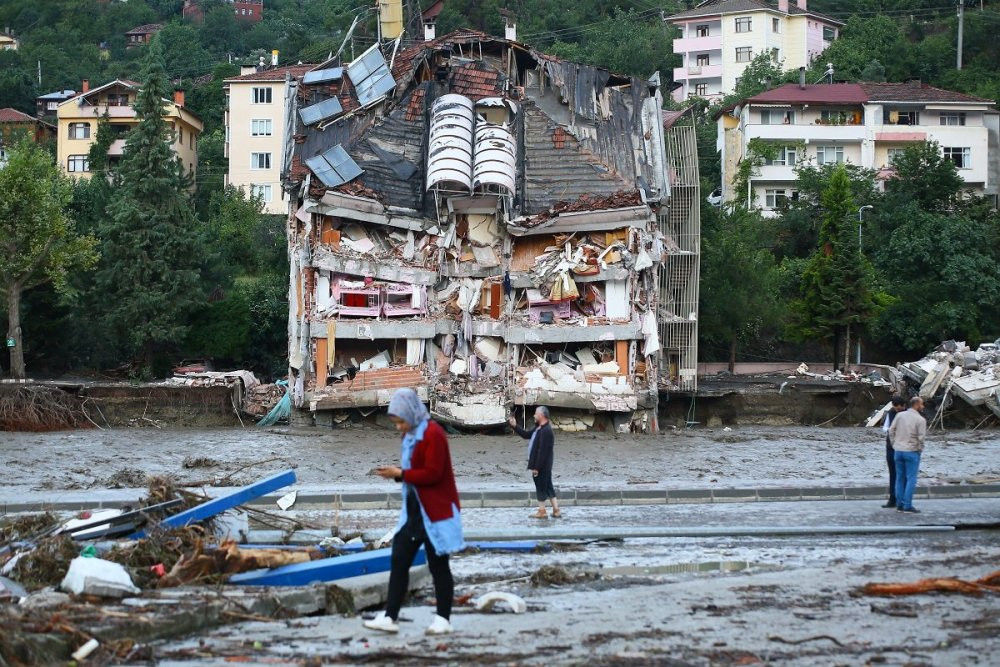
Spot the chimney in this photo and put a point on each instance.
(783, 6)
(801, 4)
(802, 78)
(85, 85)
(429, 31)
(510, 28)
(179, 97)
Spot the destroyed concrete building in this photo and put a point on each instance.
(493, 227)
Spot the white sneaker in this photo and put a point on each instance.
(440, 626)
(383, 623)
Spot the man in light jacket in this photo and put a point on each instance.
(907, 433)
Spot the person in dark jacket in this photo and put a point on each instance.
(430, 514)
(898, 405)
(541, 444)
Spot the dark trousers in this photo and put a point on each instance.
(405, 545)
(890, 460)
(543, 485)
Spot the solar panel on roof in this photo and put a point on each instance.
(314, 113)
(334, 167)
(370, 76)
(323, 75)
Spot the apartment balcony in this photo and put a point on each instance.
(88, 110)
(697, 72)
(807, 133)
(775, 173)
(691, 44)
(117, 148)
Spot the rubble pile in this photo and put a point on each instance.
(953, 370)
(98, 584)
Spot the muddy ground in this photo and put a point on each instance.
(711, 601)
(341, 460)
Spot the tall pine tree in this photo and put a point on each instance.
(153, 245)
(838, 291)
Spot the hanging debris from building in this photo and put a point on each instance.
(490, 226)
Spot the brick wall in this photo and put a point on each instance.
(393, 377)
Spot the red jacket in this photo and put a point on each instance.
(431, 474)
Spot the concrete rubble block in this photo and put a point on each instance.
(490, 348)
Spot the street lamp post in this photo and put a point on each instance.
(866, 207)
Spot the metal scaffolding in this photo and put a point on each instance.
(679, 276)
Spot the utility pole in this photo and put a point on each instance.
(961, 25)
(39, 73)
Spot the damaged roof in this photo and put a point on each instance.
(580, 131)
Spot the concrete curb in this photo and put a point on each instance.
(567, 497)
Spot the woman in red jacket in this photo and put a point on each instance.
(430, 516)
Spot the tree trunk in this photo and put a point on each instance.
(14, 332)
(847, 347)
(836, 347)
(732, 356)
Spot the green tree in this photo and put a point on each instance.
(153, 244)
(838, 290)
(762, 73)
(945, 270)
(923, 175)
(738, 278)
(40, 244)
(97, 157)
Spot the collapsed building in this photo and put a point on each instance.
(493, 227)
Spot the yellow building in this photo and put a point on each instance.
(8, 42)
(78, 118)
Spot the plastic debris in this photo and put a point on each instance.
(96, 576)
(488, 601)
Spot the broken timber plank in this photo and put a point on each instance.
(215, 506)
(325, 569)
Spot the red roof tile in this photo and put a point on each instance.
(825, 93)
(916, 92)
(276, 74)
(11, 115)
(476, 80)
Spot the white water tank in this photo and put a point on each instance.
(495, 162)
(449, 151)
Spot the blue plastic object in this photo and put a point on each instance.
(215, 506)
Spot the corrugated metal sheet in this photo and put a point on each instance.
(450, 150)
(495, 160)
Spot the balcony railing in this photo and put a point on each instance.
(698, 72)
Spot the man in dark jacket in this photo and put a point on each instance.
(540, 456)
(898, 405)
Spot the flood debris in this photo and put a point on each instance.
(489, 602)
(99, 577)
(40, 408)
(491, 214)
(953, 371)
(987, 584)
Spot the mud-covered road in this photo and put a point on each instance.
(684, 601)
(342, 459)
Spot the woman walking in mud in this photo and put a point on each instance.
(430, 515)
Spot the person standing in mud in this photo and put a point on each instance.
(907, 433)
(430, 515)
(541, 445)
(898, 405)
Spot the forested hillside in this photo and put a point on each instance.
(65, 41)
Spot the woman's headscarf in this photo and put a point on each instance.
(406, 405)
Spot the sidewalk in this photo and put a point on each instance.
(314, 497)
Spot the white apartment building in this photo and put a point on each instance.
(255, 132)
(719, 38)
(865, 124)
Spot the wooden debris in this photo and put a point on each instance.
(988, 584)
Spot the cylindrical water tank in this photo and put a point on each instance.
(449, 151)
(495, 162)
